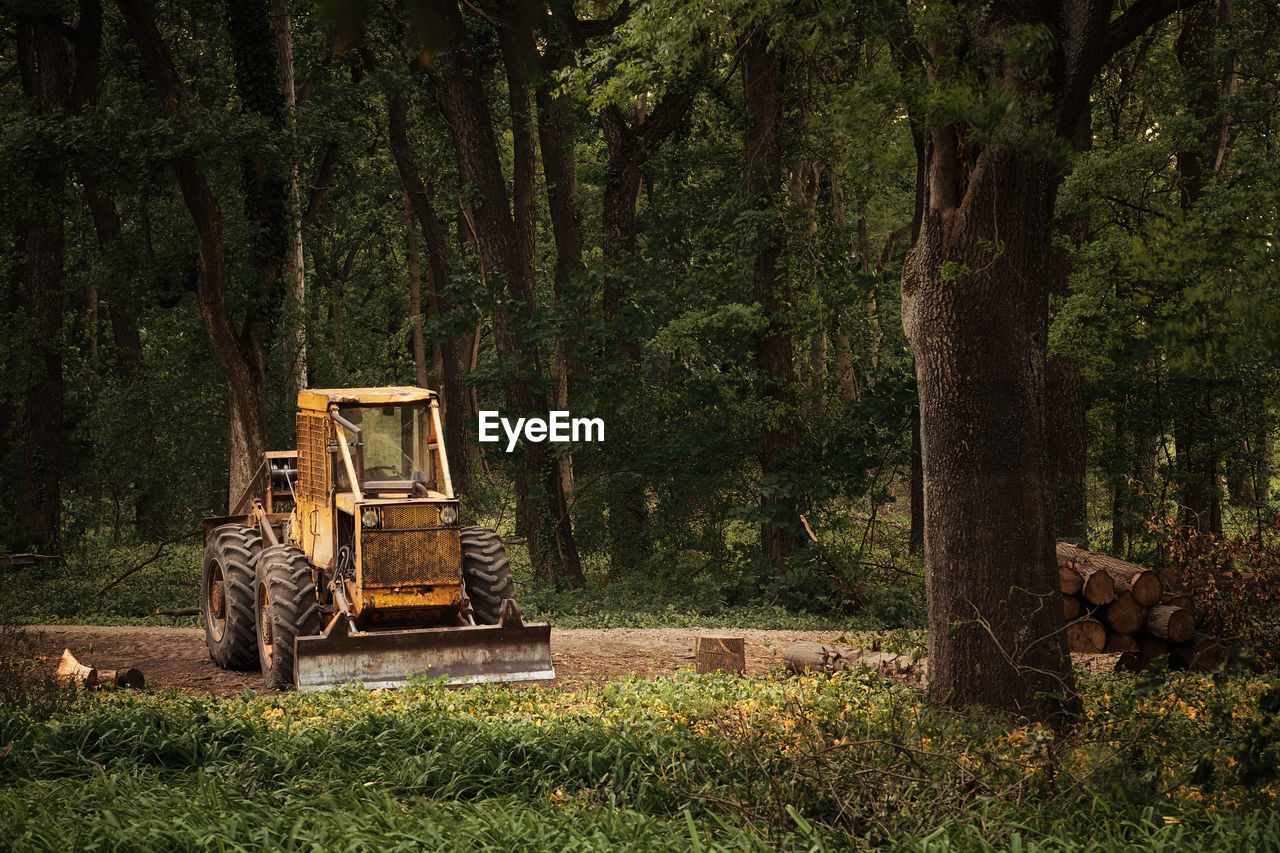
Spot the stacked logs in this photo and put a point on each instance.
(1113, 606)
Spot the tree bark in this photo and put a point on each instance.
(780, 535)
(629, 144)
(46, 69)
(415, 297)
(295, 261)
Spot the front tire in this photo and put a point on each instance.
(486, 573)
(226, 595)
(286, 607)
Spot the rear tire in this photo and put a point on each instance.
(286, 608)
(486, 573)
(226, 595)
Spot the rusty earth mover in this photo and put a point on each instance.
(369, 577)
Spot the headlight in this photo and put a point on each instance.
(369, 518)
(448, 514)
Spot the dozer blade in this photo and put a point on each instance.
(467, 655)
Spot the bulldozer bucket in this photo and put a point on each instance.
(466, 655)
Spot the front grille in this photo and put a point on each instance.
(410, 516)
(406, 557)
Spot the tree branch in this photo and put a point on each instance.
(666, 116)
(1135, 21)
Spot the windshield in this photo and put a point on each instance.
(395, 442)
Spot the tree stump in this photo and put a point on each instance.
(714, 653)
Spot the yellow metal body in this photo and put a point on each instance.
(407, 563)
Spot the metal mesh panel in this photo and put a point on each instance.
(411, 516)
(402, 557)
(313, 469)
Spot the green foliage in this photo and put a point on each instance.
(72, 591)
(682, 763)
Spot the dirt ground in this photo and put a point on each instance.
(177, 657)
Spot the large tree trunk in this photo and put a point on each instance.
(520, 61)
(239, 357)
(557, 132)
(1196, 421)
(421, 199)
(978, 324)
(502, 250)
(628, 143)
(46, 69)
(779, 531)
(975, 310)
(295, 280)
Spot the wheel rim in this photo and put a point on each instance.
(265, 639)
(216, 602)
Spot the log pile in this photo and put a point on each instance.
(1113, 606)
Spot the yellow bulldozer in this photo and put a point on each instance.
(369, 576)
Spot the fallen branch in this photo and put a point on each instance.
(178, 612)
(159, 549)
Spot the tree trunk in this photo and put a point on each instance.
(977, 321)
(975, 310)
(1196, 423)
(46, 69)
(503, 249)
(1170, 623)
(557, 132)
(421, 199)
(915, 538)
(520, 60)
(780, 536)
(1085, 636)
(294, 262)
(1067, 450)
(240, 358)
(415, 296)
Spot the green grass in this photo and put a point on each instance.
(681, 763)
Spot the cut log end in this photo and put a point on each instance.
(71, 671)
(1086, 636)
(131, 679)
(1099, 588)
(1170, 623)
(714, 653)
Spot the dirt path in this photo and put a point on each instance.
(177, 657)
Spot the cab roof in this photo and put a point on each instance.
(322, 398)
